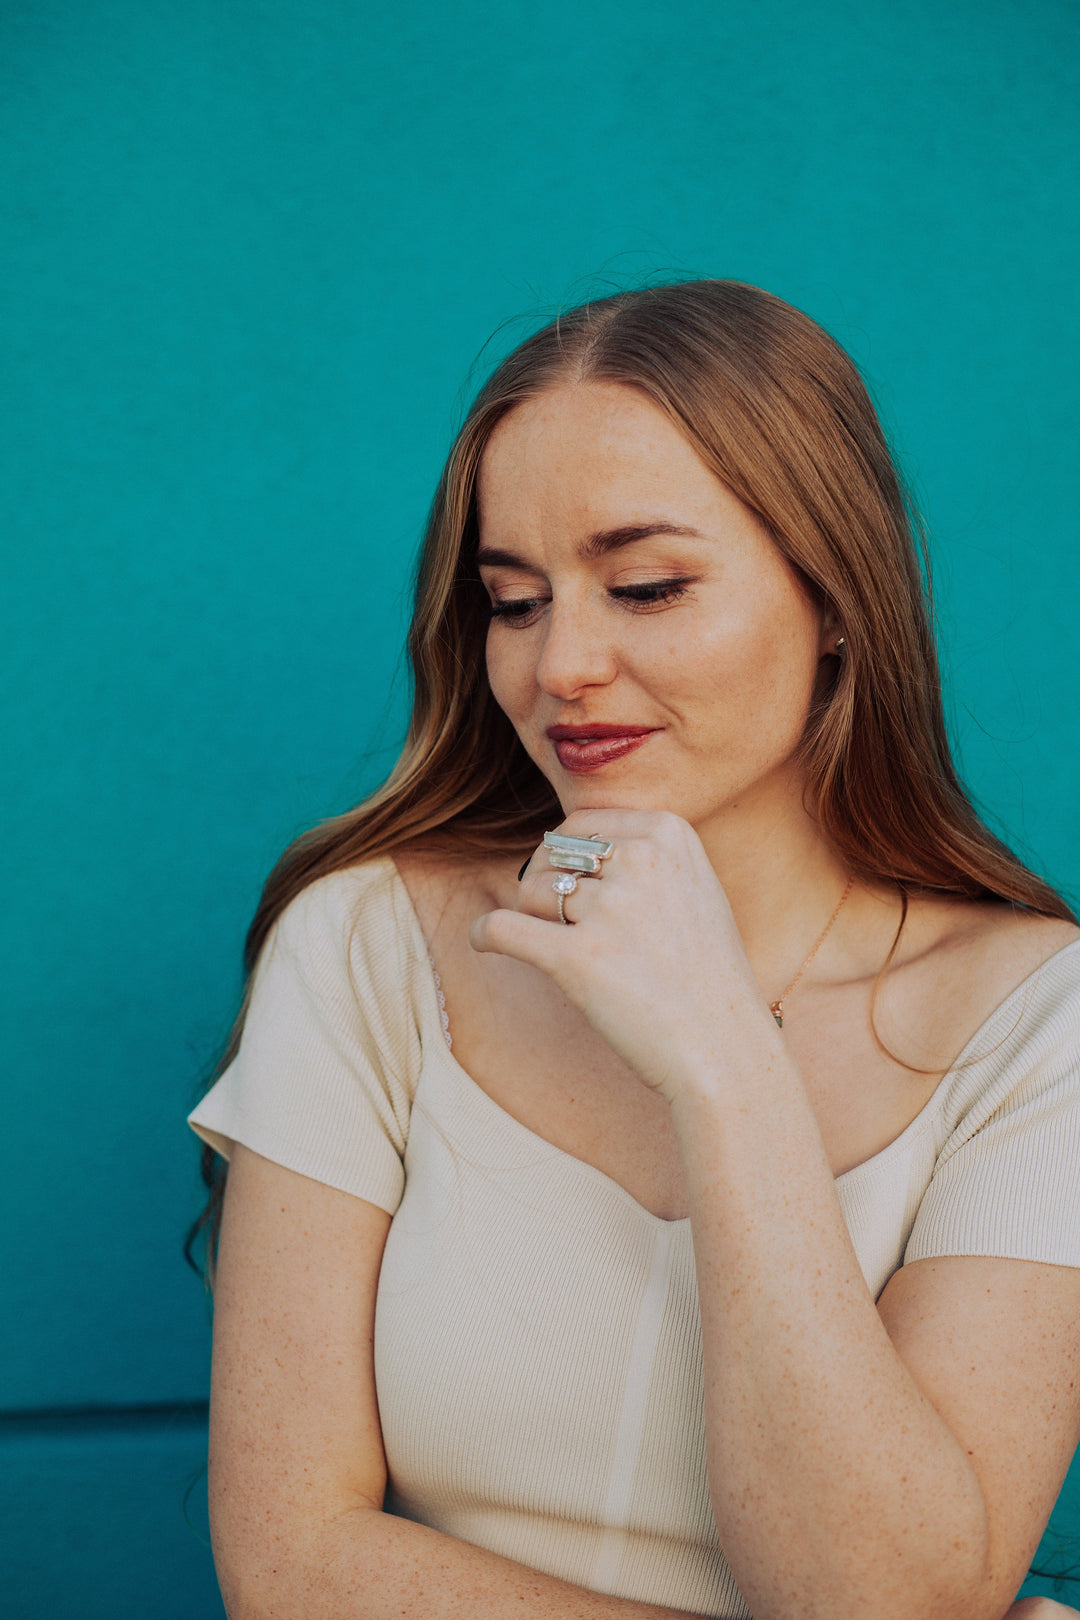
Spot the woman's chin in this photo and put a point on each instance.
(596, 794)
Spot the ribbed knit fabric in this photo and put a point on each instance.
(538, 1350)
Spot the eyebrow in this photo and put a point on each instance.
(597, 544)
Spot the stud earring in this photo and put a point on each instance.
(841, 647)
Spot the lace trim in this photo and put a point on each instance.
(444, 1016)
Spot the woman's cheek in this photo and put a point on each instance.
(509, 678)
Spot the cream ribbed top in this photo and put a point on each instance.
(538, 1350)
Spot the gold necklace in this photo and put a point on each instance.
(777, 1007)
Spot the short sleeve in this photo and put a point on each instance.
(1007, 1180)
(330, 1053)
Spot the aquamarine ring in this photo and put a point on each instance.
(583, 855)
(574, 858)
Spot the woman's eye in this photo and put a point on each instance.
(515, 611)
(520, 610)
(651, 593)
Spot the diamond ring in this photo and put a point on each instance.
(564, 885)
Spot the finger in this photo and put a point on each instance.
(621, 823)
(538, 897)
(528, 939)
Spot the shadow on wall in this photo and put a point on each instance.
(105, 1516)
(106, 1519)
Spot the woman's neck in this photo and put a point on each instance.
(781, 875)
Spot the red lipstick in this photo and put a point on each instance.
(588, 748)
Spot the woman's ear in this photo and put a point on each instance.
(832, 633)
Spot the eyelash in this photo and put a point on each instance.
(638, 597)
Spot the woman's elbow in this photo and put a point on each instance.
(279, 1567)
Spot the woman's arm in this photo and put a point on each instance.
(891, 1462)
(864, 1465)
(297, 1471)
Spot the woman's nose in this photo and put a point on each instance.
(576, 652)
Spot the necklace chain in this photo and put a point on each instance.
(777, 1007)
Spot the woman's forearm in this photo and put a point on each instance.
(837, 1488)
(369, 1565)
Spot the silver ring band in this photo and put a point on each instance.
(564, 885)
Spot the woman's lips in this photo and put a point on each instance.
(577, 754)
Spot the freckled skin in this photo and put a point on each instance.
(855, 1397)
(727, 670)
(719, 860)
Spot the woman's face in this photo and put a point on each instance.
(649, 643)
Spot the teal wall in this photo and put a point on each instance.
(254, 248)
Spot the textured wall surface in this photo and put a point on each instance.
(254, 249)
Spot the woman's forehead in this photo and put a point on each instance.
(594, 450)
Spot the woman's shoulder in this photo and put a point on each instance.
(1007, 1114)
(967, 961)
(331, 902)
(355, 924)
(333, 1037)
(998, 944)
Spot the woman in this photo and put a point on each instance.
(742, 1214)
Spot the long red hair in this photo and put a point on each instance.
(779, 412)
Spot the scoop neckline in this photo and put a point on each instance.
(913, 1128)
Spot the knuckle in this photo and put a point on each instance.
(585, 824)
(671, 825)
(495, 931)
(663, 827)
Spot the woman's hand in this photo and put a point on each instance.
(654, 960)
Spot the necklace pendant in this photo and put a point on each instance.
(777, 1010)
